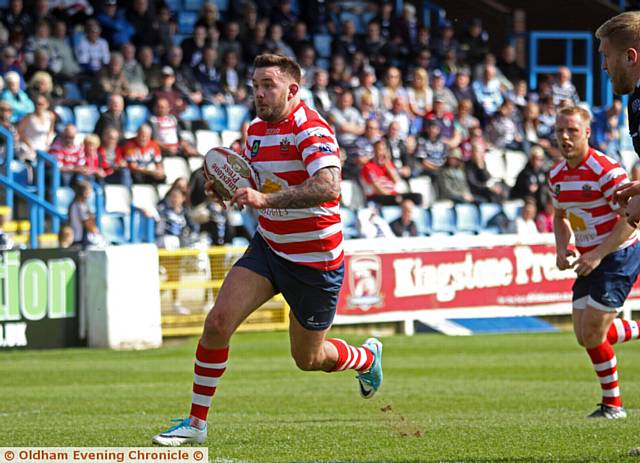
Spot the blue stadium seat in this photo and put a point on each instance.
(186, 21)
(423, 220)
(193, 5)
(65, 116)
(322, 44)
(443, 219)
(86, 117)
(65, 197)
(223, 5)
(191, 113)
(113, 228)
(174, 5)
(390, 213)
(512, 208)
(21, 174)
(467, 218)
(135, 116)
(349, 223)
(354, 18)
(215, 116)
(236, 115)
(487, 212)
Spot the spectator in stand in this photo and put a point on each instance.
(379, 177)
(143, 157)
(431, 151)
(367, 110)
(509, 67)
(446, 121)
(479, 179)
(544, 220)
(452, 181)
(38, 41)
(275, 42)
(563, 89)
(112, 117)
(404, 225)
(526, 222)
(371, 225)
(368, 86)
(361, 151)
(386, 20)
(41, 83)
(37, 129)
(407, 28)
(450, 68)
(110, 79)
(441, 92)
(177, 100)
(256, 43)
(446, 42)
(232, 78)
(307, 60)
(20, 103)
(282, 14)
(152, 70)
(16, 17)
(399, 150)
(348, 121)
(164, 127)
(9, 62)
(230, 39)
(167, 29)
(207, 74)
(420, 94)
(476, 135)
(392, 87)
(90, 146)
(464, 120)
(81, 219)
(192, 47)
(111, 159)
(339, 74)
(321, 97)
(133, 73)
(115, 27)
(399, 113)
(17, 40)
(185, 83)
(209, 16)
(300, 41)
(21, 150)
(70, 156)
(461, 87)
(74, 12)
(347, 44)
(490, 60)
(174, 227)
(374, 46)
(605, 130)
(92, 51)
(530, 124)
(503, 131)
(65, 237)
(63, 61)
(144, 23)
(546, 126)
(488, 93)
(532, 180)
(421, 59)
(519, 95)
(474, 44)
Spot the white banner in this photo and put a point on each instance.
(103, 454)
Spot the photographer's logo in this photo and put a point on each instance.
(365, 279)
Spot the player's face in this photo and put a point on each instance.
(272, 89)
(616, 64)
(572, 133)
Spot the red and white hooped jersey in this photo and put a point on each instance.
(285, 154)
(585, 193)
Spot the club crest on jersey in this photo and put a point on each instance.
(254, 148)
(635, 105)
(284, 145)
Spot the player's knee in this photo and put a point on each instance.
(217, 327)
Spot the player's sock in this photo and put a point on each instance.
(604, 362)
(350, 357)
(209, 367)
(622, 331)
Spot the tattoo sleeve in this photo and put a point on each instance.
(323, 186)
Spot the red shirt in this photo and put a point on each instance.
(68, 156)
(371, 173)
(141, 155)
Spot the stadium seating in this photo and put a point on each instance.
(424, 186)
(186, 21)
(205, 140)
(112, 227)
(229, 136)
(191, 113)
(65, 116)
(215, 117)
(175, 167)
(514, 163)
(236, 115)
(195, 163)
(86, 117)
(487, 212)
(351, 194)
(162, 190)
(322, 44)
(144, 197)
(467, 218)
(117, 199)
(443, 220)
(512, 208)
(349, 223)
(135, 116)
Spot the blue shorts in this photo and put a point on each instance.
(312, 294)
(607, 287)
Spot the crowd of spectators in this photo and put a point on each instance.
(405, 100)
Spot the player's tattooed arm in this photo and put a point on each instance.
(323, 186)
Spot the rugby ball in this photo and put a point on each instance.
(228, 171)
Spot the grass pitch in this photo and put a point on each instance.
(481, 398)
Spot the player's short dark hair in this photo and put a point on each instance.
(623, 30)
(284, 63)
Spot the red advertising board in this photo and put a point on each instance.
(515, 275)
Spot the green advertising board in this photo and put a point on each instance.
(39, 298)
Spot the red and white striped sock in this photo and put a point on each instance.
(209, 367)
(349, 357)
(622, 331)
(604, 362)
